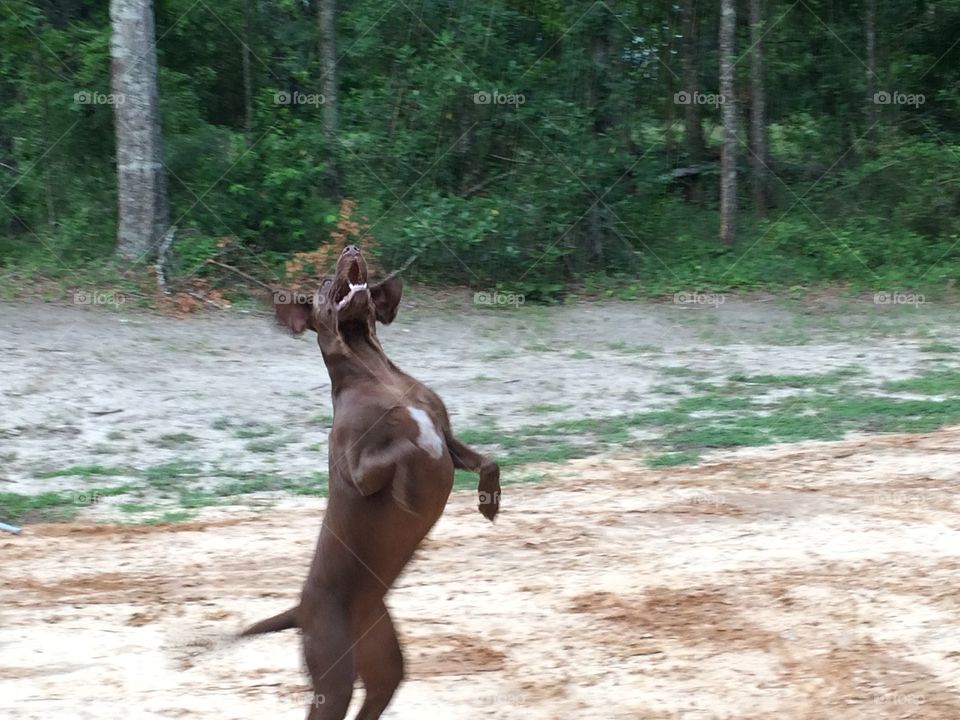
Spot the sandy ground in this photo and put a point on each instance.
(804, 582)
(801, 582)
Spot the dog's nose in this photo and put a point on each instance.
(351, 250)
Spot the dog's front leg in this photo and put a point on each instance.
(372, 469)
(488, 489)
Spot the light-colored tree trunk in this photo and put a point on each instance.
(142, 210)
(327, 21)
(728, 169)
(758, 109)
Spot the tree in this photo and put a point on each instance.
(327, 22)
(249, 11)
(758, 109)
(728, 169)
(692, 126)
(142, 209)
(694, 144)
(870, 33)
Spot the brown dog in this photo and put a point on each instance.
(392, 457)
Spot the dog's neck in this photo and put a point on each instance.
(356, 356)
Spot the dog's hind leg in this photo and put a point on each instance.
(379, 663)
(488, 489)
(328, 651)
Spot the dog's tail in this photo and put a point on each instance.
(287, 620)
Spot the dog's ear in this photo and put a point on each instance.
(293, 311)
(386, 299)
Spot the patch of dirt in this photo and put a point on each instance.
(450, 654)
(825, 587)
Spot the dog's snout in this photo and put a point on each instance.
(351, 250)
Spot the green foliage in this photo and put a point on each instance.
(571, 186)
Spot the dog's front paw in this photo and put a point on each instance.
(488, 491)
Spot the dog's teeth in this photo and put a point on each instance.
(353, 290)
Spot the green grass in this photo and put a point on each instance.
(52, 505)
(182, 482)
(714, 402)
(728, 416)
(42, 506)
(677, 371)
(667, 389)
(632, 349)
(708, 436)
(130, 507)
(170, 474)
(485, 436)
(798, 381)
(673, 459)
(464, 479)
(554, 453)
(192, 498)
(882, 414)
(498, 355)
(173, 516)
(267, 445)
(84, 471)
(544, 408)
(254, 430)
(248, 483)
(173, 440)
(945, 382)
(939, 347)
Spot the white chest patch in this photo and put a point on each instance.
(429, 439)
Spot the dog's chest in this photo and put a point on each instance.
(429, 438)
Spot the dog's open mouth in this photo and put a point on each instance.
(353, 283)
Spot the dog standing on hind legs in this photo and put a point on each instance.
(392, 457)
